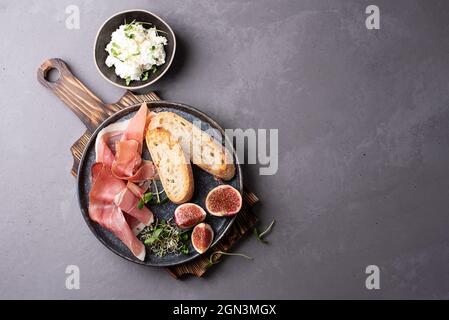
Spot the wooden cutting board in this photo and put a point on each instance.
(92, 112)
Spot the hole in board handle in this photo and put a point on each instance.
(52, 75)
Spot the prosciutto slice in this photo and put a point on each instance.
(135, 225)
(138, 191)
(119, 179)
(105, 148)
(128, 159)
(120, 145)
(104, 211)
(136, 126)
(145, 172)
(127, 202)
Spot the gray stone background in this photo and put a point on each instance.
(363, 146)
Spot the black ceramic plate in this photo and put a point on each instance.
(104, 37)
(204, 182)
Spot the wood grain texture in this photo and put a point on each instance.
(77, 150)
(92, 112)
(83, 103)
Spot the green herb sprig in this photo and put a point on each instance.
(163, 238)
(261, 236)
(213, 261)
(145, 199)
(129, 26)
(152, 197)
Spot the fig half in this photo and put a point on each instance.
(188, 215)
(224, 201)
(202, 236)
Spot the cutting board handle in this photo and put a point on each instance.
(89, 109)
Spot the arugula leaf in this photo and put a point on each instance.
(145, 76)
(140, 204)
(128, 81)
(147, 197)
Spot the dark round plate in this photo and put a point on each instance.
(204, 182)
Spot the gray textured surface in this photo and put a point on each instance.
(364, 146)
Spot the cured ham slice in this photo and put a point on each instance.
(104, 211)
(127, 201)
(136, 190)
(136, 126)
(129, 149)
(106, 139)
(115, 178)
(119, 145)
(95, 171)
(145, 172)
(135, 225)
(126, 159)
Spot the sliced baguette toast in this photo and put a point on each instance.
(172, 165)
(202, 149)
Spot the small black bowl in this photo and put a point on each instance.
(104, 37)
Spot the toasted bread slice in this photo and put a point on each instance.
(172, 164)
(202, 149)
